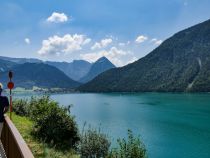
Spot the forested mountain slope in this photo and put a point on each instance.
(181, 63)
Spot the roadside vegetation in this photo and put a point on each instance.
(52, 132)
(40, 149)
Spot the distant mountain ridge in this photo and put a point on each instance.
(21, 60)
(78, 70)
(179, 64)
(101, 65)
(75, 70)
(37, 71)
(40, 75)
(5, 65)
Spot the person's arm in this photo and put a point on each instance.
(6, 106)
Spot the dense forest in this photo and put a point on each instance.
(179, 64)
(41, 75)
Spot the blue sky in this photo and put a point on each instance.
(64, 30)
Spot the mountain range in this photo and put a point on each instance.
(40, 75)
(181, 63)
(75, 70)
(48, 74)
(5, 65)
(101, 65)
(21, 60)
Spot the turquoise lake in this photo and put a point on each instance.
(170, 125)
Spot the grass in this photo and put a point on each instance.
(38, 148)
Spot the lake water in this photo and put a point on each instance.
(170, 125)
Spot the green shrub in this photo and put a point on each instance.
(20, 107)
(52, 123)
(58, 128)
(132, 148)
(93, 144)
(40, 107)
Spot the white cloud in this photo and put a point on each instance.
(27, 41)
(102, 44)
(57, 18)
(132, 60)
(156, 41)
(96, 46)
(141, 39)
(88, 40)
(56, 45)
(123, 43)
(106, 42)
(114, 54)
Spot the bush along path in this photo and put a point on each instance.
(51, 131)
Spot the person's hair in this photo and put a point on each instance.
(1, 87)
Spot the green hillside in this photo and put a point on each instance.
(6, 65)
(101, 65)
(181, 63)
(41, 75)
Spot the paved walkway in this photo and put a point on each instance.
(2, 153)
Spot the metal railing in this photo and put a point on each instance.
(13, 143)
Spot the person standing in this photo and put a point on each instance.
(4, 106)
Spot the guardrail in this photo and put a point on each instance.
(13, 143)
